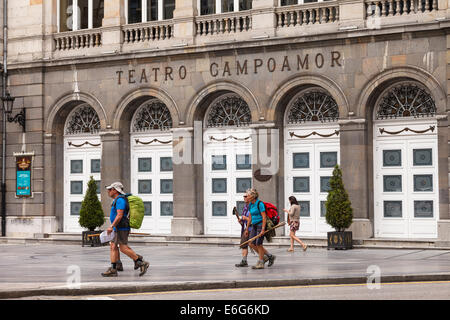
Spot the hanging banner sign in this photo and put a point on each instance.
(23, 175)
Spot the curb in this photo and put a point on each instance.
(185, 286)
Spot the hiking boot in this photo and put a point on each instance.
(242, 264)
(144, 266)
(137, 262)
(266, 258)
(119, 266)
(110, 272)
(259, 265)
(271, 260)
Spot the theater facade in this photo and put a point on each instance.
(189, 103)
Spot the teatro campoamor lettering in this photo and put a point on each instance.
(241, 67)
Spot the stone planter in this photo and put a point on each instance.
(91, 238)
(340, 240)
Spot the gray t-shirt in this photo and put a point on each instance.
(294, 212)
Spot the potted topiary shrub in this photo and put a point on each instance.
(91, 215)
(339, 213)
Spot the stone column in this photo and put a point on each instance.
(184, 22)
(187, 183)
(114, 17)
(443, 179)
(356, 174)
(263, 18)
(111, 165)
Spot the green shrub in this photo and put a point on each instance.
(91, 212)
(339, 213)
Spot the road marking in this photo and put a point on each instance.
(272, 288)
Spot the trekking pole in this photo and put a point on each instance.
(255, 237)
(131, 233)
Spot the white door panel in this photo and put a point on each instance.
(152, 180)
(81, 161)
(411, 159)
(227, 175)
(308, 161)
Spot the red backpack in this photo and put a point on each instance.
(271, 212)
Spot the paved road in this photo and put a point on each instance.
(389, 291)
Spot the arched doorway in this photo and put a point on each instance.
(227, 159)
(82, 159)
(151, 164)
(405, 152)
(311, 144)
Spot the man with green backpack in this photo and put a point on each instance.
(126, 211)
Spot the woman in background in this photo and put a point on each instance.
(294, 223)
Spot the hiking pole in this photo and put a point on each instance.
(131, 233)
(255, 237)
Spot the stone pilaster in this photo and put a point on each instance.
(443, 179)
(184, 22)
(351, 14)
(263, 18)
(114, 17)
(268, 173)
(187, 184)
(111, 165)
(355, 174)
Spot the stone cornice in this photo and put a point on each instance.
(321, 39)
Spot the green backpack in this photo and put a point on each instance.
(136, 211)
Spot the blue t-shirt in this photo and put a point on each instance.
(121, 204)
(255, 210)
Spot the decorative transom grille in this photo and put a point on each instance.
(406, 100)
(153, 115)
(229, 110)
(83, 120)
(313, 105)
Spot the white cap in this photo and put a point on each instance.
(116, 185)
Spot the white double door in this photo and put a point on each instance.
(406, 193)
(309, 164)
(152, 180)
(227, 163)
(82, 159)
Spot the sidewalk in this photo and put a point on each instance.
(46, 269)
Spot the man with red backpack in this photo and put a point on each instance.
(258, 216)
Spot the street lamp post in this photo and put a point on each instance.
(8, 102)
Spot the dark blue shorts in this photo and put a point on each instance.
(255, 231)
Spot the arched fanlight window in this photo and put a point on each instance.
(82, 120)
(152, 115)
(312, 105)
(228, 110)
(405, 99)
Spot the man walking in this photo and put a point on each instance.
(120, 223)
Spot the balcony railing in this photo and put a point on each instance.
(73, 40)
(148, 32)
(236, 22)
(388, 8)
(307, 14)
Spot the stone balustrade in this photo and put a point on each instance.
(148, 32)
(307, 14)
(287, 21)
(73, 40)
(388, 8)
(218, 24)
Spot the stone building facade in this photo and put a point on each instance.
(201, 101)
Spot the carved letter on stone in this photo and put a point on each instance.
(303, 64)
